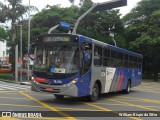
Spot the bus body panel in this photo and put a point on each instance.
(84, 85)
(113, 80)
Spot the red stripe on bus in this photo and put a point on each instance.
(120, 81)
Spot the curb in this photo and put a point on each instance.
(25, 83)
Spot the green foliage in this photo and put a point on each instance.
(98, 25)
(3, 33)
(51, 16)
(143, 33)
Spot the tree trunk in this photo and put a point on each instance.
(13, 45)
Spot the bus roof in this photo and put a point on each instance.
(112, 47)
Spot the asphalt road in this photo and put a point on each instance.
(142, 103)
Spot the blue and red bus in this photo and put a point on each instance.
(76, 65)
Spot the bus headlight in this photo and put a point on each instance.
(71, 83)
(32, 78)
(74, 80)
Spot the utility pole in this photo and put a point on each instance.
(28, 38)
(112, 36)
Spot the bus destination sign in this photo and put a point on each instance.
(57, 39)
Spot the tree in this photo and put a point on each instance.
(51, 16)
(98, 25)
(142, 32)
(14, 12)
(3, 33)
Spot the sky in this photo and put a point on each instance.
(40, 4)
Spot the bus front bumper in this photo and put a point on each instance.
(71, 90)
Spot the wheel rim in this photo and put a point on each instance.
(128, 88)
(94, 93)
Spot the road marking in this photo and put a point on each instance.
(105, 109)
(45, 118)
(110, 104)
(101, 108)
(7, 87)
(146, 90)
(38, 94)
(15, 98)
(8, 118)
(152, 89)
(124, 104)
(22, 105)
(147, 100)
(13, 92)
(150, 86)
(139, 106)
(77, 109)
(47, 106)
(12, 86)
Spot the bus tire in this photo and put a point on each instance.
(59, 96)
(95, 93)
(128, 87)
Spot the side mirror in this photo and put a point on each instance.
(30, 52)
(86, 56)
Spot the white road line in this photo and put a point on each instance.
(7, 87)
(16, 87)
(2, 89)
(12, 86)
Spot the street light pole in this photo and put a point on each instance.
(28, 37)
(112, 36)
(21, 52)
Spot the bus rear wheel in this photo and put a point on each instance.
(59, 96)
(95, 93)
(128, 88)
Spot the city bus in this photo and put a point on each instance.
(76, 65)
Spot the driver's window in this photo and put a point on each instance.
(86, 50)
(40, 56)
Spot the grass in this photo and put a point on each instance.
(5, 74)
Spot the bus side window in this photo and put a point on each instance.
(113, 60)
(106, 57)
(120, 59)
(97, 55)
(125, 60)
(139, 63)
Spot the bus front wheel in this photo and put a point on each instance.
(95, 93)
(59, 96)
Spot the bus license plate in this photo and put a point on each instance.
(50, 89)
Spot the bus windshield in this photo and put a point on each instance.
(56, 59)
